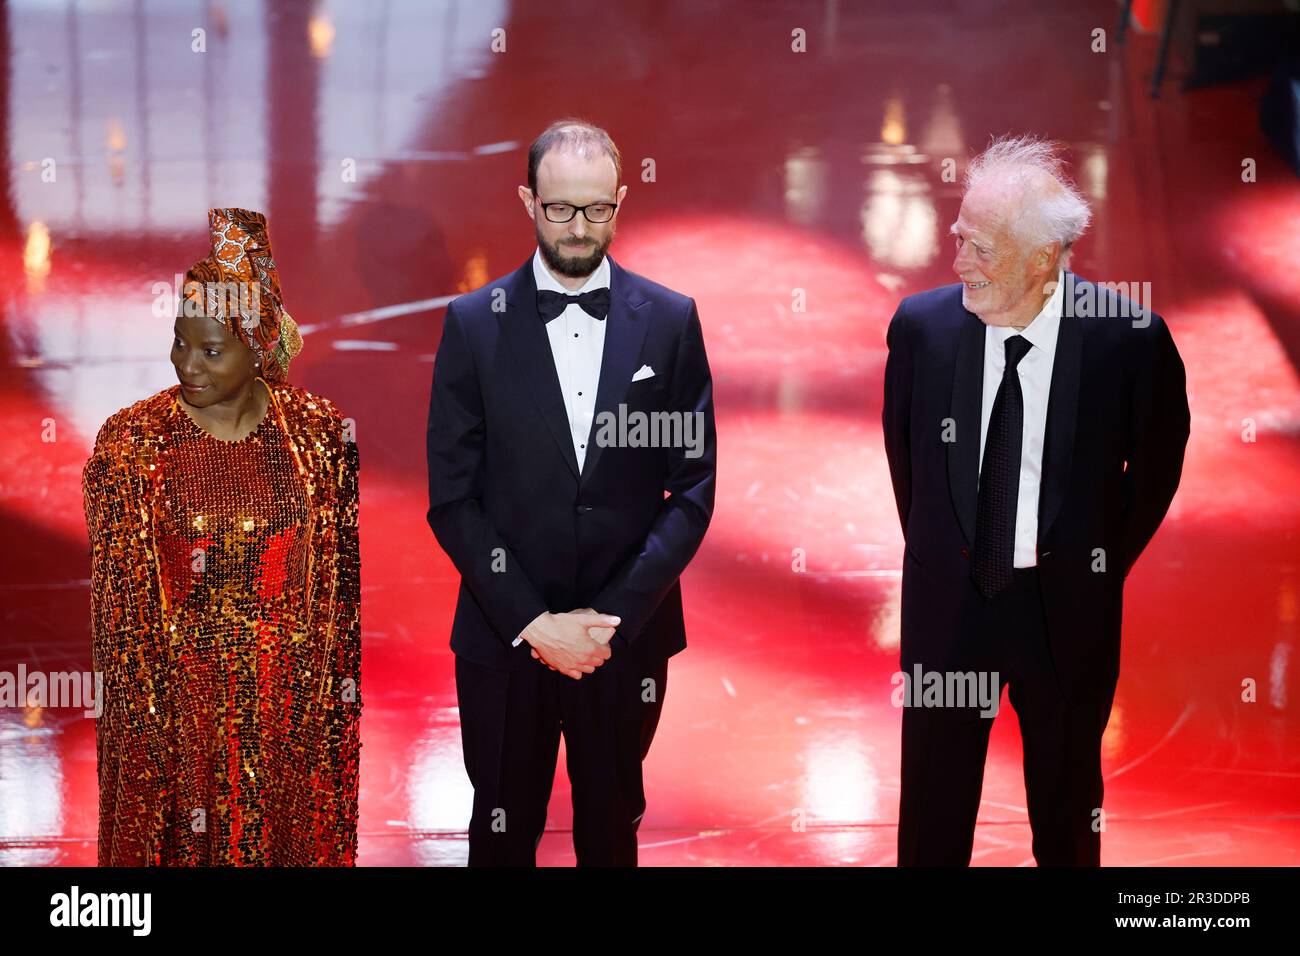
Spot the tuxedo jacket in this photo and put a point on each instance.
(527, 530)
(1117, 427)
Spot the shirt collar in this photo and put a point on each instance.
(545, 281)
(1042, 331)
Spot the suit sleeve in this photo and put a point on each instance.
(897, 413)
(639, 586)
(1161, 424)
(456, 456)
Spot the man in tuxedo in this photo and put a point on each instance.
(1035, 425)
(571, 452)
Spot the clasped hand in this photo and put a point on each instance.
(575, 643)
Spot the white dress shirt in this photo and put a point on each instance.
(577, 347)
(1035, 371)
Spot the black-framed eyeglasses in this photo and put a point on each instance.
(564, 212)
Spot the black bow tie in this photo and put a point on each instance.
(595, 303)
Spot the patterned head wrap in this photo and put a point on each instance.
(238, 286)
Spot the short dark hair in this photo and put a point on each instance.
(571, 132)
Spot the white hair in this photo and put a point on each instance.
(1049, 207)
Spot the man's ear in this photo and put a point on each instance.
(622, 191)
(526, 197)
(1047, 253)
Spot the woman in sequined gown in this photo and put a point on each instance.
(225, 591)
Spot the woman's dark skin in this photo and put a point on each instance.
(205, 353)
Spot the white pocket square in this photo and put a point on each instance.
(645, 371)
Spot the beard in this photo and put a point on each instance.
(573, 267)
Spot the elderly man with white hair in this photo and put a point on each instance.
(1035, 425)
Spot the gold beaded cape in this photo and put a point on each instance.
(225, 610)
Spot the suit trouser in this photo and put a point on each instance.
(944, 748)
(511, 722)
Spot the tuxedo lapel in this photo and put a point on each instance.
(967, 399)
(1062, 411)
(625, 330)
(521, 326)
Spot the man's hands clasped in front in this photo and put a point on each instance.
(575, 643)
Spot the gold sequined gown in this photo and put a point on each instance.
(225, 592)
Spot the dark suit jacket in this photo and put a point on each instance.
(1117, 426)
(504, 485)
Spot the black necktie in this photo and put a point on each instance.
(595, 303)
(995, 512)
